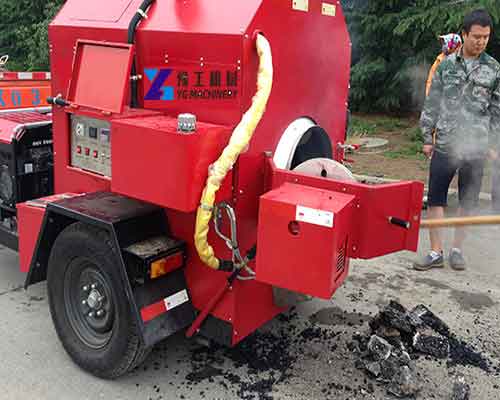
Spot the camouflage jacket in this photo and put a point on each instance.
(463, 107)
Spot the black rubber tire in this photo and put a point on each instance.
(121, 349)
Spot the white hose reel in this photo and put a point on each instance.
(295, 134)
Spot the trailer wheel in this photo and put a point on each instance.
(90, 311)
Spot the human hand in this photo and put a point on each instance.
(428, 149)
(493, 155)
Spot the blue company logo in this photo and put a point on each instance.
(158, 91)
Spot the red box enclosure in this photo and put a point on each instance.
(304, 253)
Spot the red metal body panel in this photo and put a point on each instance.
(29, 223)
(30, 218)
(303, 239)
(86, 10)
(153, 162)
(68, 179)
(197, 34)
(101, 75)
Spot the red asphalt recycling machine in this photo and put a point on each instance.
(198, 173)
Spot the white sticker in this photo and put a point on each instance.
(315, 217)
(25, 75)
(329, 9)
(28, 168)
(176, 300)
(300, 5)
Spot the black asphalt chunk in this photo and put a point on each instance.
(399, 337)
(464, 354)
(379, 348)
(428, 342)
(431, 320)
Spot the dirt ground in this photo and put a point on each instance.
(400, 159)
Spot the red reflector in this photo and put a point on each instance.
(152, 311)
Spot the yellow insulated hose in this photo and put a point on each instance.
(239, 141)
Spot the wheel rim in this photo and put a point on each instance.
(88, 300)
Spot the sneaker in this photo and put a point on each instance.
(456, 260)
(431, 260)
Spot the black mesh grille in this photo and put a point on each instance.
(341, 257)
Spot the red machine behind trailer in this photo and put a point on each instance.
(148, 115)
(25, 144)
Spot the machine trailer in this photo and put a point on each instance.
(197, 171)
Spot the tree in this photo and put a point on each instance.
(23, 32)
(394, 43)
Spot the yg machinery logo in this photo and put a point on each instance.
(190, 84)
(158, 90)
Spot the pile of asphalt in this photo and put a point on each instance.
(251, 370)
(387, 353)
(398, 338)
(264, 359)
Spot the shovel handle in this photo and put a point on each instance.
(462, 221)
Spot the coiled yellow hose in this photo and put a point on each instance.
(239, 141)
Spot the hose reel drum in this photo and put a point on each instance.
(306, 148)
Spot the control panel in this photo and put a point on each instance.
(91, 145)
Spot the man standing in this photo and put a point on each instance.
(463, 107)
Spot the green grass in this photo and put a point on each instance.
(389, 124)
(414, 150)
(373, 125)
(370, 125)
(415, 134)
(360, 126)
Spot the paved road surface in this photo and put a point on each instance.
(304, 355)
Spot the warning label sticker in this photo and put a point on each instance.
(314, 216)
(176, 300)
